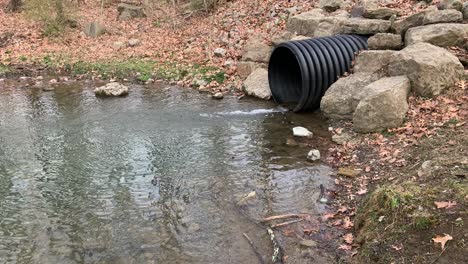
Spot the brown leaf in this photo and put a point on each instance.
(327, 216)
(442, 240)
(447, 205)
(347, 223)
(362, 191)
(348, 238)
(345, 247)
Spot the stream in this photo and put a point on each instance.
(154, 177)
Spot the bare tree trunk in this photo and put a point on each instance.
(14, 6)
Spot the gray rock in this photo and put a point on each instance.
(451, 4)
(365, 26)
(229, 63)
(283, 37)
(442, 16)
(330, 5)
(220, 52)
(383, 41)
(256, 50)
(128, 11)
(465, 10)
(379, 13)
(342, 98)
(442, 35)
(245, 68)
(133, 42)
(257, 84)
(111, 89)
(313, 155)
(373, 61)
(385, 106)
(119, 45)
(305, 23)
(402, 25)
(431, 69)
(94, 29)
(342, 138)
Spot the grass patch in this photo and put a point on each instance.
(4, 69)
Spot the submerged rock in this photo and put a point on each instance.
(313, 155)
(218, 96)
(111, 89)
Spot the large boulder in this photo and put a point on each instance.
(438, 34)
(383, 41)
(431, 69)
(257, 84)
(425, 17)
(442, 16)
(373, 61)
(380, 13)
(451, 4)
(402, 25)
(111, 89)
(305, 23)
(245, 68)
(384, 106)
(365, 26)
(256, 50)
(94, 29)
(342, 98)
(128, 11)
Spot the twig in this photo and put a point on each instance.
(286, 223)
(435, 260)
(254, 248)
(275, 217)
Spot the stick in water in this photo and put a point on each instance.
(254, 248)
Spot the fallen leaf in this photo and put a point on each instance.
(397, 248)
(362, 191)
(345, 247)
(448, 204)
(348, 238)
(442, 240)
(342, 209)
(347, 223)
(327, 216)
(348, 172)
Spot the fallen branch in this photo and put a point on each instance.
(277, 254)
(286, 223)
(254, 248)
(275, 217)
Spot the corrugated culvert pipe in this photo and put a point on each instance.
(301, 71)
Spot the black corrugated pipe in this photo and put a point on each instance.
(301, 71)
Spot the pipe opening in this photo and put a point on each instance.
(285, 71)
(301, 71)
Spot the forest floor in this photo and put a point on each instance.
(401, 195)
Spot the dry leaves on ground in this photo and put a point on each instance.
(442, 240)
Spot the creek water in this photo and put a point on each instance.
(153, 177)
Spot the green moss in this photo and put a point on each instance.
(4, 69)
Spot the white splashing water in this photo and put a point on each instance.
(278, 109)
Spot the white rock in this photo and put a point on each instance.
(218, 96)
(302, 132)
(313, 155)
(257, 84)
(133, 42)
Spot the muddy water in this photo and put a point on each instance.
(150, 178)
